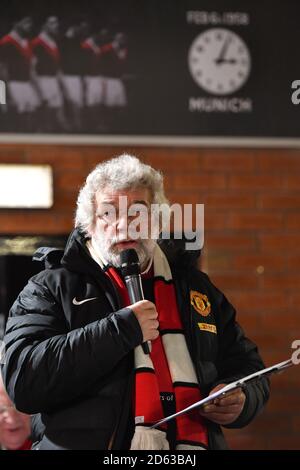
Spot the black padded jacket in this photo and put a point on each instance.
(70, 359)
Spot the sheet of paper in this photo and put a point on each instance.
(230, 387)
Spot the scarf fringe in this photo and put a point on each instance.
(146, 438)
(189, 447)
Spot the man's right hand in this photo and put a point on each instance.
(146, 314)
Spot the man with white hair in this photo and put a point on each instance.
(73, 338)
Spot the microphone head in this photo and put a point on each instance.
(130, 264)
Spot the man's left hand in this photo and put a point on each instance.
(224, 410)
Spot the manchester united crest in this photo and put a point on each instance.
(200, 303)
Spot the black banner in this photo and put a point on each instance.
(160, 68)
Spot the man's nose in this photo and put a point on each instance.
(122, 223)
(9, 417)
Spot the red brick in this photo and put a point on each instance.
(243, 440)
(94, 155)
(251, 262)
(71, 180)
(245, 192)
(284, 442)
(289, 381)
(215, 221)
(187, 197)
(171, 160)
(255, 182)
(36, 222)
(63, 157)
(217, 261)
(261, 221)
(279, 201)
(267, 341)
(294, 300)
(291, 181)
(216, 201)
(229, 200)
(260, 301)
(293, 263)
(272, 424)
(249, 321)
(228, 160)
(65, 200)
(273, 357)
(5, 147)
(292, 222)
(277, 321)
(275, 161)
(186, 181)
(8, 155)
(229, 242)
(296, 424)
(235, 281)
(279, 243)
(281, 282)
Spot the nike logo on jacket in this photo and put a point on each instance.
(79, 302)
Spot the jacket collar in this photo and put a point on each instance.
(76, 255)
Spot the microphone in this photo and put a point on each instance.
(131, 271)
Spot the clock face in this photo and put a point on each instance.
(219, 61)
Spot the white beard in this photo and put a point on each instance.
(111, 254)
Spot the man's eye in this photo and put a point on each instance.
(107, 214)
(138, 210)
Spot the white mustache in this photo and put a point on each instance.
(115, 241)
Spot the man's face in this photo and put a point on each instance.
(121, 39)
(14, 425)
(24, 26)
(122, 222)
(52, 26)
(82, 30)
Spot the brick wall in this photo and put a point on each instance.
(252, 245)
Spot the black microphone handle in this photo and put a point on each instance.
(135, 292)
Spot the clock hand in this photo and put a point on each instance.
(229, 61)
(220, 59)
